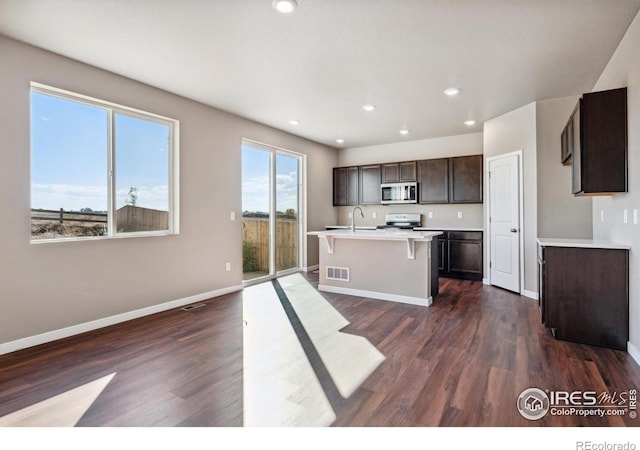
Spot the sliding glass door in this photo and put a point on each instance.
(271, 231)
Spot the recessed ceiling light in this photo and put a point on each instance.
(452, 91)
(404, 131)
(469, 122)
(294, 122)
(340, 141)
(369, 108)
(284, 6)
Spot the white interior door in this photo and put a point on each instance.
(504, 222)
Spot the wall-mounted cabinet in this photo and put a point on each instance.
(370, 179)
(345, 186)
(596, 147)
(399, 172)
(433, 181)
(567, 143)
(465, 179)
(450, 180)
(441, 180)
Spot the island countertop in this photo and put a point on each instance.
(383, 235)
(410, 237)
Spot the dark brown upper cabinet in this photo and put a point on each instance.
(399, 172)
(433, 181)
(370, 179)
(567, 143)
(599, 160)
(345, 186)
(465, 179)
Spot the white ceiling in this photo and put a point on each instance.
(320, 64)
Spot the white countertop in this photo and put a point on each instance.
(346, 227)
(409, 237)
(583, 243)
(373, 234)
(448, 229)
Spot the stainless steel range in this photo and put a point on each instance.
(401, 221)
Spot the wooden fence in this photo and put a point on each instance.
(62, 216)
(255, 237)
(134, 218)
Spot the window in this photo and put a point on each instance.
(99, 169)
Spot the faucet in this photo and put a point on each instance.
(353, 217)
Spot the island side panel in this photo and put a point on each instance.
(379, 266)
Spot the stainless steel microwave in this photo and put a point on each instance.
(392, 193)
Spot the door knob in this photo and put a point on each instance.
(514, 230)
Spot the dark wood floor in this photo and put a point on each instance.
(461, 362)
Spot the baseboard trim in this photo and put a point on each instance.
(530, 294)
(50, 336)
(377, 295)
(311, 268)
(634, 352)
(486, 281)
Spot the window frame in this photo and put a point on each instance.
(173, 161)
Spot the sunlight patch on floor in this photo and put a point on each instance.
(280, 387)
(62, 410)
(350, 359)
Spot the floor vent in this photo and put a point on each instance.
(338, 273)
(194, 306)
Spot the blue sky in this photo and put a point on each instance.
(69, 157)
(255, 180)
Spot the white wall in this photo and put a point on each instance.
(444, 216)
(48, 286)
(560, 214)
(624, 70)
(510, 132)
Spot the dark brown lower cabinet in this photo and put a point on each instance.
(460, 254)
(584, 294)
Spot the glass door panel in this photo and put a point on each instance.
(287, 212)
(256, 212)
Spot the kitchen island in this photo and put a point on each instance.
(393, 265)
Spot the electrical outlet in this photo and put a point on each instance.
(430, 214)
(602, 215)
(227, 267)
(635, 216)
(459, 214)
(350, 215)
(374, 214)
(625, 216)
(233, 215)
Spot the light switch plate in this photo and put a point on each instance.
(227, 267)
(635, 216)
(374, 214)
(459, 214)
(232, 215)
(625, 216)
(350, 215)
(430, 213)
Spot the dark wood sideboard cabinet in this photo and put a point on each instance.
(584, 294)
